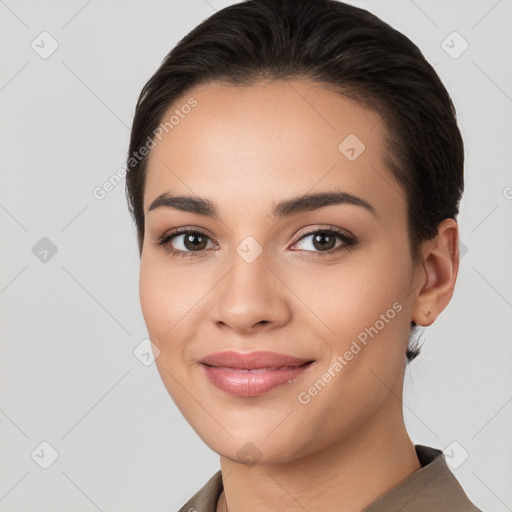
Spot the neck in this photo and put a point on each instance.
(351, 473)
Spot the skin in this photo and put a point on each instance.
(246, 149)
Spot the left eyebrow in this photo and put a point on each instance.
(286, 208)
(314, 201)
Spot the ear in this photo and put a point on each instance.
(438, 273)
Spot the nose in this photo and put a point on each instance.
(250, 297)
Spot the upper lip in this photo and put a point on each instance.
(252, 360)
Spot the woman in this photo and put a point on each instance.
(295, 175)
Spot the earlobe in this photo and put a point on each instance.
(440, 265)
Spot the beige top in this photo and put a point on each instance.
(433, 488)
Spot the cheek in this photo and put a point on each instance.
(375, 314)
(151, 295)
(364, 317)
(159, 294)
(349, 297)
(162, 291)
(170, 296)
(362, 303)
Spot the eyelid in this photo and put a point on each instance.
(183, 230)
(164, 240)
(348, 240)
(315, 229)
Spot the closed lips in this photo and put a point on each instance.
(261, 360)
(259, 370)
(252, 374)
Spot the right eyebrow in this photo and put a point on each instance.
(198, 205)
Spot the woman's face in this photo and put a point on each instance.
(257, 277)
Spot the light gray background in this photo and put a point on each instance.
(69, 325)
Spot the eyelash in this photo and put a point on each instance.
(348, 242)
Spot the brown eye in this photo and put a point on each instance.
(185, 242)
(323, 241)
(194, 241)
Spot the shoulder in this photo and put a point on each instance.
(205, 500)
(433, 488)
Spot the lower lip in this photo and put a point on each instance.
(246, 383)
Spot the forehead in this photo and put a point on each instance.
(269, 141)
